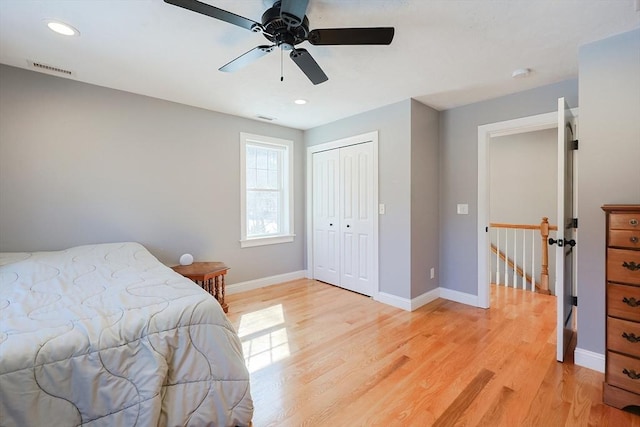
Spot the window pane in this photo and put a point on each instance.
(273, 180)
(273, 159)
(262, 158)
(262, 179)
(262, 213)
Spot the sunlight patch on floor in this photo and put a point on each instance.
(264, 337)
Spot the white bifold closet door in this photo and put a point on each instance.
(344, 217)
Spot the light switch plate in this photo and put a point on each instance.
(381, 209)
(463, 209)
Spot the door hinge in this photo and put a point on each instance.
(574, 223)
(574, 301)
(574, 144)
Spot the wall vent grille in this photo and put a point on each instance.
(49, 68)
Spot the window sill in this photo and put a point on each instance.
(263, 241)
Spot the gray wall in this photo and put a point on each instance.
(524, 177)
(608, 166)
(394, 186)
(459, 172)
(84, 164)
(424, 198)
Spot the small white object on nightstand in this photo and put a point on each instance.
(186, 259)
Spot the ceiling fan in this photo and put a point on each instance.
(285, 25)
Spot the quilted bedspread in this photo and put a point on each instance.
(106, 335)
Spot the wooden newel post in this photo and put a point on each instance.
(544, 274)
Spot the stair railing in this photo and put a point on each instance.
(513, 255)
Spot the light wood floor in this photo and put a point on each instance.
(323, 356)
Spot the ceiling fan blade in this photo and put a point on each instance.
(246, 58)
(351, 36)
(308, 65)
(214, 12)
(292, 11)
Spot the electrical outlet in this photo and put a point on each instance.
(433, 272)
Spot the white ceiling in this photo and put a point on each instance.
(445, 53)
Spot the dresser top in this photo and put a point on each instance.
(620, 208)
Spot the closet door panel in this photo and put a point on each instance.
(357, 216)
(326, 219)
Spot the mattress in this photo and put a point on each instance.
(106, 335)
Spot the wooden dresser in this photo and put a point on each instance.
(622, 376)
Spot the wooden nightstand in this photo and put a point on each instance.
(209, 275)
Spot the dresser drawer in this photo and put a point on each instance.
(623, 266)
(624, 221)
(625, 238)
(623, 301)
(623, 336)
(623, 371)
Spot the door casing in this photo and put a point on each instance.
(345, 142)
(485, 133)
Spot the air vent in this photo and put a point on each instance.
(50, 68)
(266, 118)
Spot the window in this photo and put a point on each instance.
(266, 190)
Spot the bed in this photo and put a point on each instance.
(106, 335)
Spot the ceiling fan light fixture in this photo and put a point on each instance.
(62, 28)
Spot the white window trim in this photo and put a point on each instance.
(287, 235)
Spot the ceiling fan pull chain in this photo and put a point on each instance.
(281, 62)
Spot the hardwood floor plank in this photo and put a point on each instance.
(323, 356)
(464, 399)
(493, 415)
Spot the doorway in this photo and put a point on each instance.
(485, 134)
(565, 286)
(523, 184)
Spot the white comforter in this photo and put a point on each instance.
(107, 335)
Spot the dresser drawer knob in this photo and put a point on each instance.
(633, 222)
(631, 374)
(632, 302)
(630, 337)
(633, 239)
(631, 265)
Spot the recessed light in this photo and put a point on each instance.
(520, 73)
(62, 28)
(300, 101)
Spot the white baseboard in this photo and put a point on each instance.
(589, 359)
(405, 303)
(265, 281)
(394, 301)
(460, 297)
(425, 298)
